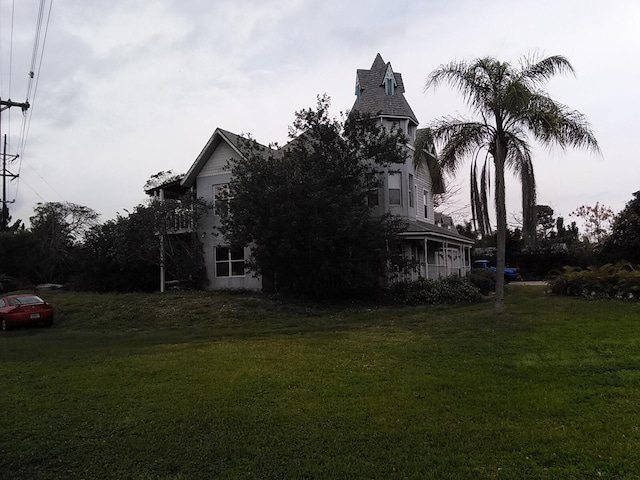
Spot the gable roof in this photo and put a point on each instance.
(373, 99)
(219, 135)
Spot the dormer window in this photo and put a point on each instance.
(358, 89)
(389, 81)
(389, 87)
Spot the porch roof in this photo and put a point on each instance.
(418, 229)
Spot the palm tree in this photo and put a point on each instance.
(512, 106)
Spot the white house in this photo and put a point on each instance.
(431, 240)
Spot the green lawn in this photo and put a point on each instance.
(198, 386)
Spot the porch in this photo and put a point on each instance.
(432, 258)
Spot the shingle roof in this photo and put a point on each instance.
(373, 99)
(417, 227)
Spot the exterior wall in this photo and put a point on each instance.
(212, 175)
(218, 160)
(423, 183)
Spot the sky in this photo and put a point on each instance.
(127, 88)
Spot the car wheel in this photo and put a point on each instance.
(4, 325)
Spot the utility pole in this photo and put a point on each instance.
(4, 215)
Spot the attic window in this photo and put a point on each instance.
(358, 89)
(389, 87)
(389, 81)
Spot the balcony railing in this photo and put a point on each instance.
(179, 222)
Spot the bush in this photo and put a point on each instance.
(621, 280)
(449, 290)
(483, 280)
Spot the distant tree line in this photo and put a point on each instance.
(67, 245)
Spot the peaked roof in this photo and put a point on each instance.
(219, 135)
(374, 100)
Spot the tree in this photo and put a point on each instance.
(58, 229)
(597, 222)
(124, 254)
(624, 241)
(162, 178)
(5, 221)
(545, 222)
(512, 105)
(303, 209)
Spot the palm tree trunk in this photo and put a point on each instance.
(501, 231)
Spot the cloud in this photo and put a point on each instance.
(131, 87)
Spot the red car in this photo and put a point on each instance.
(24, 309)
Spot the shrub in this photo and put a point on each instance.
(448, 290)
(621, 280)
(483, 280)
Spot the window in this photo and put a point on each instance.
(389, 81)
(411, 130)
(389, 86)
(229, 261)
(220, 198)
(411, 190)
(425, 199)
(372, 198)
(394, 188)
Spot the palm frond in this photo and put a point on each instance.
(424, 156)
(484, 196)
(535, 72)
(473, 81)
(479, 199)
(553, 123)
(460, 139)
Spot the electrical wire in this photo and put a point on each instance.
(28, 115)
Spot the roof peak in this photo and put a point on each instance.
(380, 91)
(377, 62)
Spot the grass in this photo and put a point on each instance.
(198, 385)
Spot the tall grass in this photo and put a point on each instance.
(197, 385)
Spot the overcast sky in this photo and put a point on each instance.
(127, 88)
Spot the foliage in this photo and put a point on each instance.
(483, 280)
(17, 256)
(545, 222)
(597, 222)
(161, 178)
(624, 241)
(58, 229)
(446, 291)
(621, 280)
(5, 221)
(512, 105)
(303, 209)
(124, 254)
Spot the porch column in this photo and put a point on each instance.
(426, 260)
(161, 250)
(447, 266)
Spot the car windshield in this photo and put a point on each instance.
(26, 300)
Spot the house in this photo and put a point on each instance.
(431, 240)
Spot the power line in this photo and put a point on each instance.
(37, 57)
(26, 122)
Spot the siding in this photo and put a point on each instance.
(216, 164)
(423, 180)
